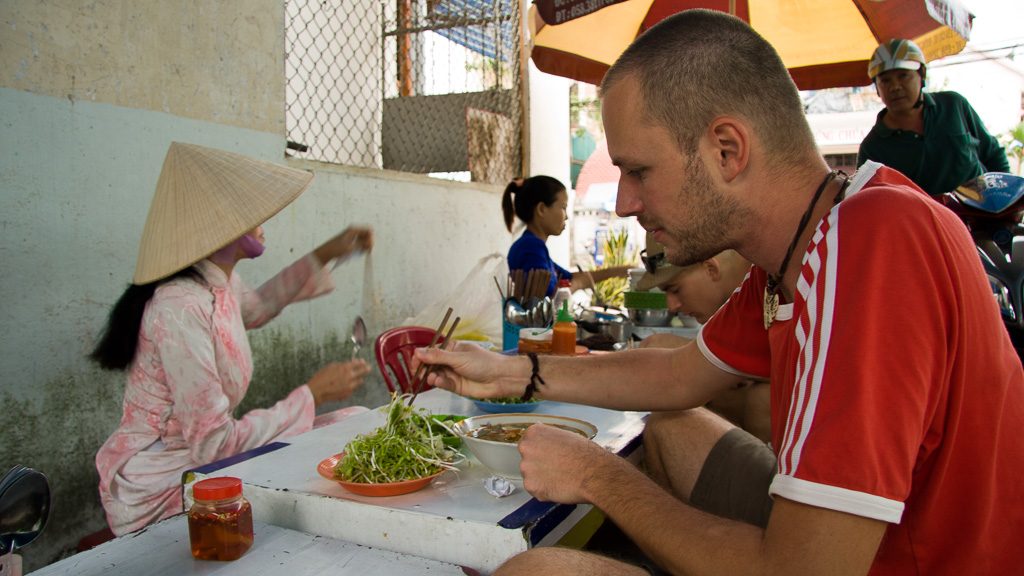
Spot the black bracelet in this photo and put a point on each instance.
(534, 378)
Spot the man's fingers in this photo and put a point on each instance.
(430, 356)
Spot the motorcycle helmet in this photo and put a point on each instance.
(897, 54)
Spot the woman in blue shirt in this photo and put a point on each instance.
(541, 202)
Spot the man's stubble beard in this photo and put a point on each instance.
(713, 218)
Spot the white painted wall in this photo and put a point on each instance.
(550, 143)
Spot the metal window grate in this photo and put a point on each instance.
(426, 86)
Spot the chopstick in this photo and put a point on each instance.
(414, 383)
(526, 284)
(444, 346)
(500, 293)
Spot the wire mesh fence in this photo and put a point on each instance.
(425, 86)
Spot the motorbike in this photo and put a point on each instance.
(992, 205)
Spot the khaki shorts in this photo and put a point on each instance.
(734, 480)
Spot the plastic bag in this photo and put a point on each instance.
(476, 301)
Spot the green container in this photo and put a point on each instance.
(655, 300)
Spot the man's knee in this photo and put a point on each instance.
(676, 445)
(533, 561)
(557, 560)
(694, 431)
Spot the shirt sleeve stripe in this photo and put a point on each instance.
(835, 498)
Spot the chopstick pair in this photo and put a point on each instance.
(423, 371)
(528, 284)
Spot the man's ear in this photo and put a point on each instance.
(730, 143)
(713, 268)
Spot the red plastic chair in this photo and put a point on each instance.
(395, 346)
(93, 540)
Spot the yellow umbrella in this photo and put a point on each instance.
(824, 43)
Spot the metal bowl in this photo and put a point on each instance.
(651, 316)
(618, 329)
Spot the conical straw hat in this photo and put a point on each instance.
(205, 199)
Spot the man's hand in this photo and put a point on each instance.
(557, 463)
(469, 370)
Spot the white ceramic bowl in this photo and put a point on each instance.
(503, 457)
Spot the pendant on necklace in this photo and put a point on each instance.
(771, 307)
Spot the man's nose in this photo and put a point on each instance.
(672, 303)
(627, 201)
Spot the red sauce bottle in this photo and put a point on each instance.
(220, 520)
(563, 341)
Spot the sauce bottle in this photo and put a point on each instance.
(220, 520)
(562, 294)
(563, 339)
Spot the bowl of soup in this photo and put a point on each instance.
(494, 438)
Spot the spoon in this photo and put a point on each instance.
(358, 337)
(11, 475)
(24, 509)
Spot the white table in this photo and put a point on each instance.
(162, 549)
(452, 520)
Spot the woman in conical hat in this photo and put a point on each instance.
(180, 330)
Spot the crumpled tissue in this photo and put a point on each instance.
(498, 487)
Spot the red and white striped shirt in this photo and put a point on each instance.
(896, 393)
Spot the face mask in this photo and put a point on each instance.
(249, 246)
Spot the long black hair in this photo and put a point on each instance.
(120, 337)
(529, 193)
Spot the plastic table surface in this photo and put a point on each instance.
(454, 519)
(162, 549)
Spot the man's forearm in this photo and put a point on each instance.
(650, 379)
(678, 537)
(800, 539)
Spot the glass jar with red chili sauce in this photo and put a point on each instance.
(220, 520)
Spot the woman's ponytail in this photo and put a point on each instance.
(507, 209)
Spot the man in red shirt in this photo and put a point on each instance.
(897, 398)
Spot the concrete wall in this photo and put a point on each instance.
(90, 98)
(216, 61)
(550, 145)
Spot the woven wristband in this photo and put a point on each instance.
(534, 378)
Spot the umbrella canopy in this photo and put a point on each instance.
(824, 43)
